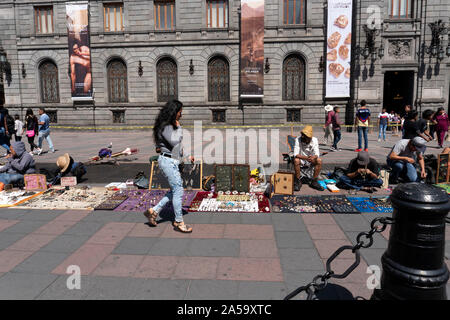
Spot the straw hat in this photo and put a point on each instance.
(308, 131)
(63, 162)
(329, 108)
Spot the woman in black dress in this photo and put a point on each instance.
(31, 128)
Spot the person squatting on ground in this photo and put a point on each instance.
(168, 136)
(19, 163)
(362, 173)
(306, 159)
(336, 125)
(402, 158)
(383, 118)
(31, 127)
(44, 131)
(362, 120)
(69, 168)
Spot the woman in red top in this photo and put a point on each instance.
(442, 122)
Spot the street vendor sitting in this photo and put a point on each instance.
(20, 162)
(69, 167)
(362, 173)
(306, 159)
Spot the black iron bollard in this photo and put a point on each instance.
(413, 264)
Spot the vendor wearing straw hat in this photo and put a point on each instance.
(307, 162)
(68, 167)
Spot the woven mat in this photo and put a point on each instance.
(312, 204)
(372, 204)
(228, 205)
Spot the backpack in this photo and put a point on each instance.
(10, 124)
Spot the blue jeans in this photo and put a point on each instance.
(10, 178)
(169, 167)
(4, 139)
(382, 130)
(337, 138)
(45, 134)
(407, 171)
(361, 131)
(359, 183)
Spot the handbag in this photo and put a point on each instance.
(141, 181)
(30, 133)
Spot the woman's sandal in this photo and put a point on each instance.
(151, 216)
(181, 227)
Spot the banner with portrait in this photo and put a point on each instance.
(77, 15)
(252, 48)
(339, 42)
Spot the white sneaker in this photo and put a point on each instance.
(379, 140)
(39, 151)
(31, 153)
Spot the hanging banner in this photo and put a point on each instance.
(252, 48)
(339, 42)
(77, 14)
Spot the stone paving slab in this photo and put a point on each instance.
(259, 257)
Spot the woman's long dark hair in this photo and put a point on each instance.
(29, 113)
(167, 116)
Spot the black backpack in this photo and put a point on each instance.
(10, 123)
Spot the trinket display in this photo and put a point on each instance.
(372, 204)
(241, 178)
(227, 202)
(13, 198)
(73, 198)
(224, 177)
(312, 204)
(113, 202)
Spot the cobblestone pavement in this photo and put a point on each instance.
(228, 256)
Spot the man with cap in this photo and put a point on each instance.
(68, 167)
(404, 154)
(19, 163)
(362, 173)
(306, 159)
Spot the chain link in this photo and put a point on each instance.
(447, 220)
(320, 281)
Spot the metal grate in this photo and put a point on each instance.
(117, 81)
(294, 78)
(118, 116)
(218, 80)
(166, 71)
(293, 115)
(219, 115)
(48, 75)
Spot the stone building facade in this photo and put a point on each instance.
(401, 76)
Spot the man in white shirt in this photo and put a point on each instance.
(306, 159)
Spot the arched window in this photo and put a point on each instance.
(117, 81)
(166, 74)
(218, 80)
(293, 78)
(48, 76)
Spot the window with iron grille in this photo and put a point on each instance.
(166, 74)
(48, 77)
(117, 81)
(294, 11)
(217, 13)
(118, 116)
(43, 16)
(52, 114)
(293, 78)
(218, 80)
(113, 16)
(400, 9)
(219, 115)
(293, 115)
(164, 14)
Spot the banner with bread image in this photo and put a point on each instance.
(339, 41)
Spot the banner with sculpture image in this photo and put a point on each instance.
(252, 48)
(77, 17)
(339, 42)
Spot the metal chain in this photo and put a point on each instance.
(320, 281)
(447, 220)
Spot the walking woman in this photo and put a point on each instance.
(31, 128)
(441, 122)
(168, 136)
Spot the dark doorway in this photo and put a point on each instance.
(2, 90)
(398, 90)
